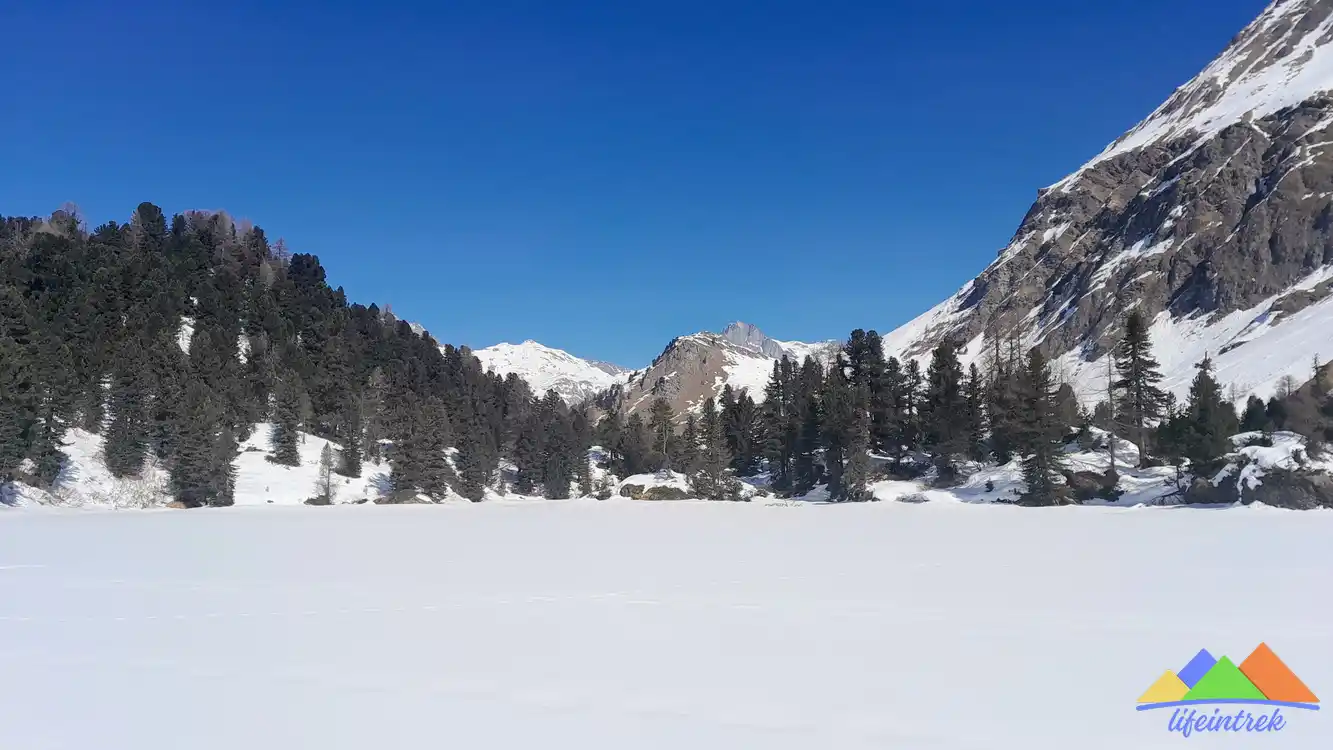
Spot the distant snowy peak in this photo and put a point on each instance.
(545, 368)
(1280, 60)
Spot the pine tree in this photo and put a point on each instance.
(1256, 416)
(1209, 421)
(634, 447)
(1044, 459)
(687, 447)
(837, 409)
(945, 411)
(324, 488)
(661, 418)
(740, 422)
(350, 465)
(711, 479)
(856, 476)
(805, 468)
(1140, 400)
(778, 428)
(126, 446)
(974, 395)
(528, 455)
(287, 420)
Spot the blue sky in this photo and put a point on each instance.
(598, 176)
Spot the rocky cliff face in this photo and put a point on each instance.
(1214, 216)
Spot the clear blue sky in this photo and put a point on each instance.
(599, 176)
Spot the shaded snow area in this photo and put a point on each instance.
(643, 625)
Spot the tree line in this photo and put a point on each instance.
(173, 337)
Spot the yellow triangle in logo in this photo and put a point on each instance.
(1167, 689)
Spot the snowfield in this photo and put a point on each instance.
(643, 625)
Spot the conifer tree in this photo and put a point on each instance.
(805, 468)
(711, 479)
(1044, 459)
(1209, 419)
(528, 455)
(741, 425)
(126, 445)
(1140, 400)
(856, 475)
(974, 395)
(350, 465)
(945, 411)
(324, 488)
(1256, 416)
(634, 447)
(661, 418)
(286, 424)
(837, 409)
(687, 447)
(779, 426)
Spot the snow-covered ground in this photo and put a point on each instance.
(643, 625)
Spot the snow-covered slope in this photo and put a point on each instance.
(1278, 61)
(545, 368)
(1211, 217)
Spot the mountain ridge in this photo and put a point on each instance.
(1213, 216)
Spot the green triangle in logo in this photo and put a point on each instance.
(1224, 681)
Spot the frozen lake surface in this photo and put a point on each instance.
(637, 625)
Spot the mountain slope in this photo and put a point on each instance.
(545, 368)
(1214, 217)
(698, 366)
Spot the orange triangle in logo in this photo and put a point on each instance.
(1273, 678)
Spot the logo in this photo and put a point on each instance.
(1262, 686)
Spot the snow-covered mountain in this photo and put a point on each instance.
(545, 368)
(698, 366)
(1213, 216)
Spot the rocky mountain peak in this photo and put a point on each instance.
(1213, 217)
(749, 336)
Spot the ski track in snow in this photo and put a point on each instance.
(643, 625)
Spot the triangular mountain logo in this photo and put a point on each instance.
(1273, 678)
(1261, 679)
(1224, 682)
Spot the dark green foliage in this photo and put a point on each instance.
(286, 438)
(350, 463)
(687, 446)
(1256, 416)
(711, 478)
(974, 395)
(837, 409)
(944, 411)
(740, 423)
(779, 417)
(856, 474)
(1208, 422)
(662, 433)
(1139, 399)
(1040, 438)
